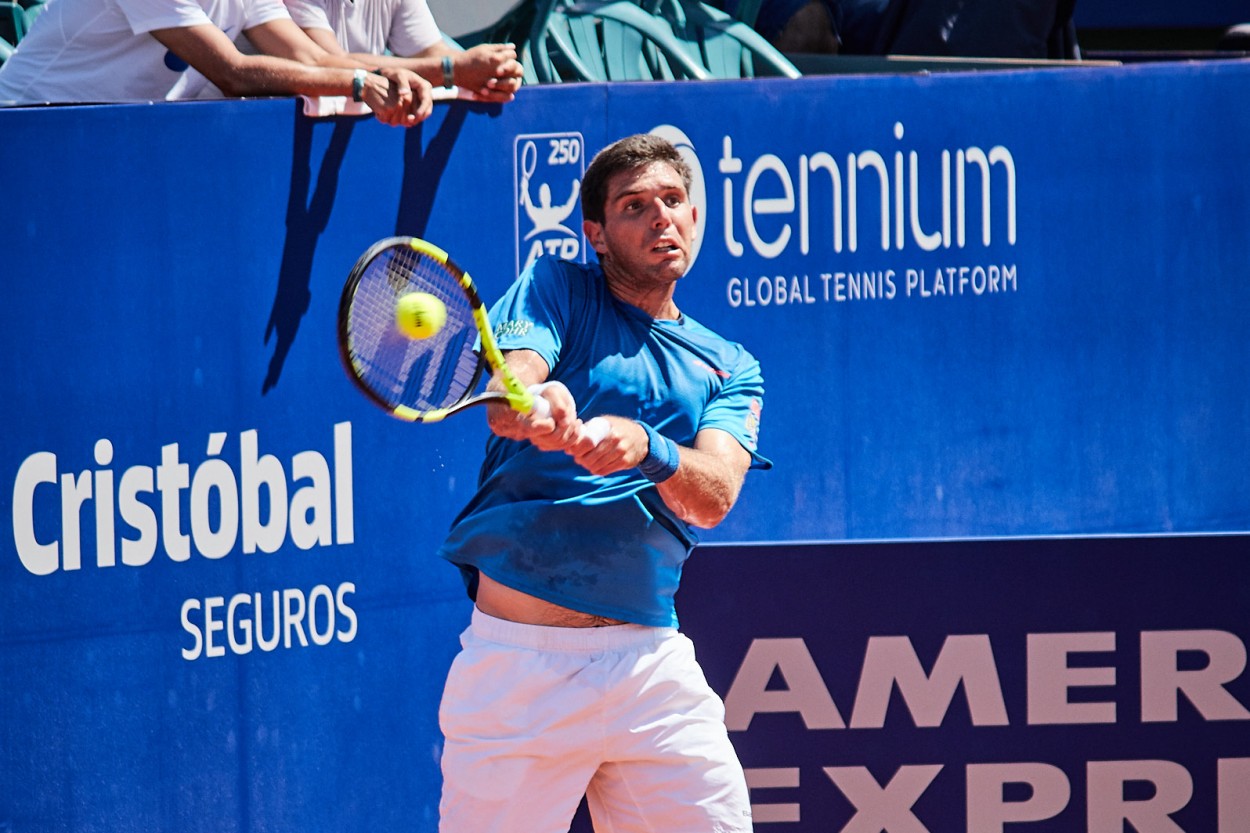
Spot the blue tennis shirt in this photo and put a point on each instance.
(542, 524)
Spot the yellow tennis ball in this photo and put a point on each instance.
(419, 314)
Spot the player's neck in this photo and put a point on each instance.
(655, 299)
(658, 304)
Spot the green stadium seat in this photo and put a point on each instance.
(606, 41)
(12, 22)
(33, 9)
(727, 46)
(631, 40)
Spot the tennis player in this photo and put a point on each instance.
(573, 678)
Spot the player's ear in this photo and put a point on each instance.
(594, 233)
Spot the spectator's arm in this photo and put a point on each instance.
(302, 67)
(283, 39)
(489, 71)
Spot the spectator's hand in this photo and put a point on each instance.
(490, 72)
(399, 97)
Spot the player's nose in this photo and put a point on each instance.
(661, 213)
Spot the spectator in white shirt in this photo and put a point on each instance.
(407, 31)
(98, 51)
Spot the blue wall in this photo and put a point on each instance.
(183, 455)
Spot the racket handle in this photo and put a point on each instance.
(541, 407)
(596, 429)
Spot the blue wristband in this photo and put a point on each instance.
(662, 457)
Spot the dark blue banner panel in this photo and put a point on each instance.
(1048, 686)
(1113, 14)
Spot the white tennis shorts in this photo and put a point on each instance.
(534, 717)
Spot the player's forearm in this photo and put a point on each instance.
(703, 489)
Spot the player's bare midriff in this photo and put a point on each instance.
(495, 599)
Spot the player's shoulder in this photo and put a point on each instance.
(732, 355)
(577, 276)
(552, 263)
(697, 329)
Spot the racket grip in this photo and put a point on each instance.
(541, 407)
(596, 429)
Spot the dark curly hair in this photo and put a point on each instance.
(625, 155)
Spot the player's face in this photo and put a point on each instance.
(648, 229)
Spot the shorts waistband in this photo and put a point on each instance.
(547, 638)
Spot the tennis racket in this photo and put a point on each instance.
(432, 375)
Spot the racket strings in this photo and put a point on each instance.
(422, 374)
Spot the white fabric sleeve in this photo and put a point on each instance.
(147, 15)
(263, 11)
(309, 14)
(413, 29)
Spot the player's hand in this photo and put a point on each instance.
(556, 431)
(490, 72)
(623, 447)
(562, 428)
(399, 97)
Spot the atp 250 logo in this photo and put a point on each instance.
(548, 174)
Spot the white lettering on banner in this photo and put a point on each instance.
(313, 504)
(770, 203)
(769, 190)
(287, 618)
(1049, 794)
(780, 675)
(1108, 809)
(892, 806)
(964, 660)
(967, 662)
(1050, 677)
(1163, 679)
(961, 280)
(805, 693)
(868, 285)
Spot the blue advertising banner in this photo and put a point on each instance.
(981, 311)
(985, 305)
